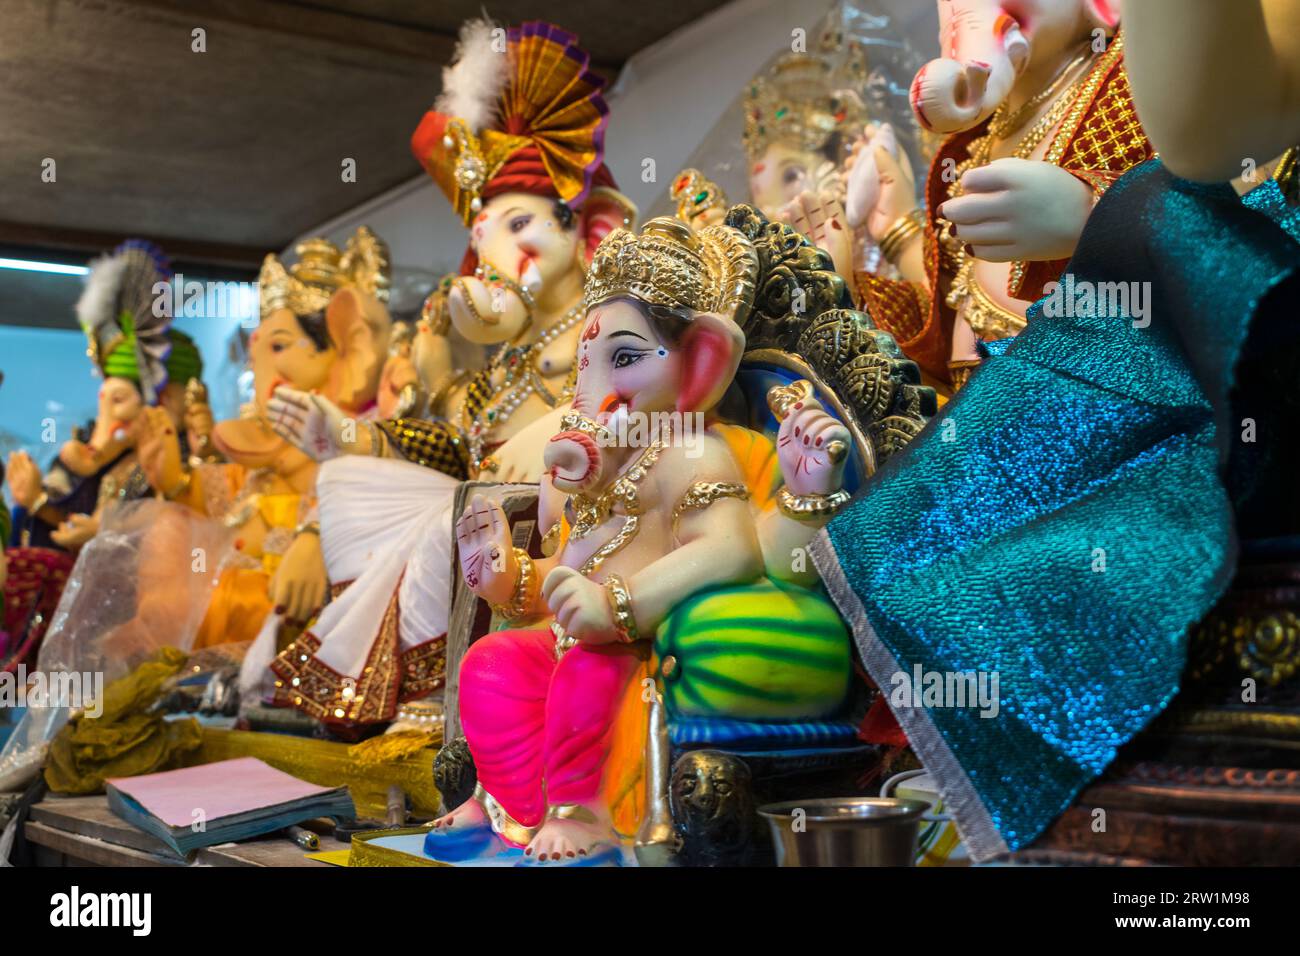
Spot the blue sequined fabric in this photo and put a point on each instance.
(1067, 517)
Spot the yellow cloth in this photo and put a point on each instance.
(125, 740)
(238, 608)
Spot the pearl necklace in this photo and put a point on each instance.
(522, 380)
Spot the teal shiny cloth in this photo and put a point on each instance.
(1070, 514)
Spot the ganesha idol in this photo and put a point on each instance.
(671, 524)
(323, 328)
(143, 362)
(1034, 100)
(519, 155)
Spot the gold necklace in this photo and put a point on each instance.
(522, 379)
(1001, 127)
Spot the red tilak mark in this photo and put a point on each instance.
(835, 224)
(759, 167)
(592, 330)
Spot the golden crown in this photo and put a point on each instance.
(795, 102)
(321, 270)
(696, 195)
(714, 270)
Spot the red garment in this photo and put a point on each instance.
(32, 591)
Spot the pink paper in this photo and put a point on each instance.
(218, 789)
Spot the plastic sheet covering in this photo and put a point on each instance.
(141, 584)
(872, 50)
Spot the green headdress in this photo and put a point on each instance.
(128, 336)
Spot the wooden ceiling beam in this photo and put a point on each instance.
(305, 21)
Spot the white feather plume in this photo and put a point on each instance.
(472, 85)
(98, 302)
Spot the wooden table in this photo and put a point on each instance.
(83, 831)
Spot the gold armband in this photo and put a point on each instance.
(811, 507)
(620, 602)
(704, 493)
(900, 234)
(526, 590)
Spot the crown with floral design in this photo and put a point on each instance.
(713, 270)
(321, 270)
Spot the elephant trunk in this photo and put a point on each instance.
(574, 461)
(985, 52)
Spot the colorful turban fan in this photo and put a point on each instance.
(519, 112)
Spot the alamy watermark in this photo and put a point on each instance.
(946, 689)
(1073, 297)
(79, 690)
(628, 429)
(190, 298)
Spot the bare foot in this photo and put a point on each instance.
(468, 814)
(568, 839)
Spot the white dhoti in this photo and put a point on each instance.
(386, 533)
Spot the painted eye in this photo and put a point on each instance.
(519, 223)
(625, 357)
(792, 174)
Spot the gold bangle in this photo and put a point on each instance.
(525, 594)
(901, 232)
(811, 507)
(378, 440)
(620, 602)
(307, 527)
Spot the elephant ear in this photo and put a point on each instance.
(359, 326)
(603, 211)
(713, 345)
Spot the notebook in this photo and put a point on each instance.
(222, 802)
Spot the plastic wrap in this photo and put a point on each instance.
(855, 67)
(142, 583)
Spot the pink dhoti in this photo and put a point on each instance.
(540, 728)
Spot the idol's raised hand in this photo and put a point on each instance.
(812, 448)
(158, 450)
(314, 424)
(24, 478)
(487, 560)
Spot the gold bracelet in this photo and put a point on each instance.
(525, 594)
(620, 602)
(377, 439)
(307, 527)
(811, 507)
(901, 232)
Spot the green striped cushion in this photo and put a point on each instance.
(755, 652)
